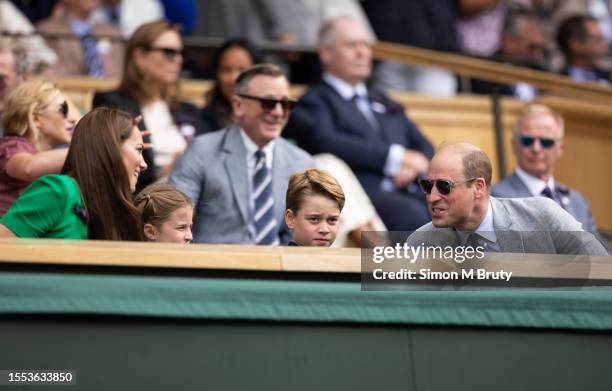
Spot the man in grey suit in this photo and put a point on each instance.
(237, 177)
(463, 212)
(537, 145)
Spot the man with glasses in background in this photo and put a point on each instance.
(237, 177)
(537, 145)
(464, 214)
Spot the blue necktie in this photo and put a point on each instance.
(263, 214)
(546, 192)
(93, 60)
(363, 105)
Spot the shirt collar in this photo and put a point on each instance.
(534, 185)
(251, 147)
(581, 74)
(343, 88)
(486, 228)
(80, 27)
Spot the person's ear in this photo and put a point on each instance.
(575, 45)
(480, 187)
(325, 54)
(561, 147)
(150, 232)
(516, 147)
(237, 106)
(290, 219)
(34, 120)
(139, 56)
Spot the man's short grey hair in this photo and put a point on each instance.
(516, 20)
(327, 32)
(535, 109)
(248, 74)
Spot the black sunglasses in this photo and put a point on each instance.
(64, 109)
(268, 104)
(169, 53)
(546, 143)
(444, 186)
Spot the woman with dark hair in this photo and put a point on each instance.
(150, 85)
(233, 57)
(92, 198)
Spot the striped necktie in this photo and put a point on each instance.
(93, 60)
(266, 231)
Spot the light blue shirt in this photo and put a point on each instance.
(80, 27)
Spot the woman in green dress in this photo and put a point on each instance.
(92, 197)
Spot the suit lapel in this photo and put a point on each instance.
(519, 186)
(236, 169)
(73, 46)
(509, 240)
(564, 199)
(351, 113)
(279, 178)
(380, 111)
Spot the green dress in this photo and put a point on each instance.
(51, 207)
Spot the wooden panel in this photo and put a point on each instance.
(277, 259)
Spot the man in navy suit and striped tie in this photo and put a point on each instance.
(237, 177)
(538, 144)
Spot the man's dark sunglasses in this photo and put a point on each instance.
(169, 53)
(444, 186)
(546, 143)
(64, 109)
(268, 104)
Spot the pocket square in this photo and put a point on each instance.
(378, 107)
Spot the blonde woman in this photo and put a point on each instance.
(35, 123)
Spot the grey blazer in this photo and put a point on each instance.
(524, 225)
(213, 173)
(572, 201)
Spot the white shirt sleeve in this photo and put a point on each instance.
(395, 157)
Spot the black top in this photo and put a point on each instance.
(210, 119)
(184, 114)
(422, 23)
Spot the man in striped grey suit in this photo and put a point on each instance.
(237, 177)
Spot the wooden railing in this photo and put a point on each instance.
(95, 253)
(493, 71)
